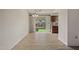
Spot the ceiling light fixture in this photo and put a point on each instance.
(35, 13)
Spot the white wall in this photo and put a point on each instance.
(63, 26)
(31, 24)
(68, 26)
(14, 25)
(48, 23)
(1, 29)
(73, 28)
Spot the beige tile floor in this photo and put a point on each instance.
(39, 41)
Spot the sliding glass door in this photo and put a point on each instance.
(42, 24)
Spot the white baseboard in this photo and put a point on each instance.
(17, 42)
(64, 42)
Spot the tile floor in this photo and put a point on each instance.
(40, 41)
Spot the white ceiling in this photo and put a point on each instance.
(43, 11)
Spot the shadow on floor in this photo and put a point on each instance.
(74, 47)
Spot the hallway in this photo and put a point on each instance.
(18, 27)
(39, 41)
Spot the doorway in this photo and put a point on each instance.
(42, 24)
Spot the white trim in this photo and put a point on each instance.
(17, 42)
(63, 42)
